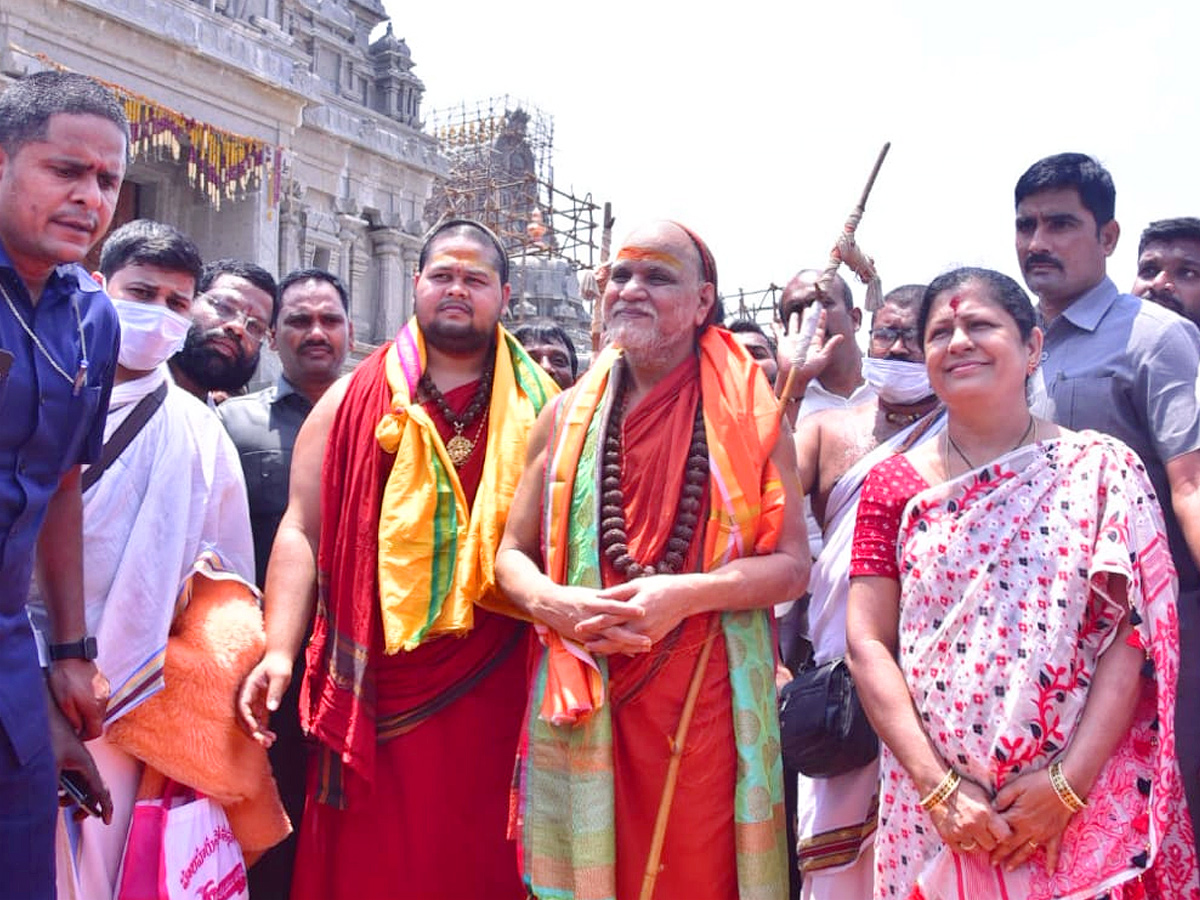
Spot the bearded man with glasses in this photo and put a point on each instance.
(235, 302)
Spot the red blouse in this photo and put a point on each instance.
(887, 489)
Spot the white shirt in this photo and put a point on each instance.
(175, 491)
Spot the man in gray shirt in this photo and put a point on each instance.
(1117, 365)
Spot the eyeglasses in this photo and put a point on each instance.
(887, 336)
(227, 312)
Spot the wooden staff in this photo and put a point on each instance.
(851, 226)
(835, 260)
(597, 306)
(681, 731)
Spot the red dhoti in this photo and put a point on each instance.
(408, 793)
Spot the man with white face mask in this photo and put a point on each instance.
(835, 450)
(169, 493)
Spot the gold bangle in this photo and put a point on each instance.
(947, 786)
(1062, 787)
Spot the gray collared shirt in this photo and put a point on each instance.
(1126, 368)
(264, 426)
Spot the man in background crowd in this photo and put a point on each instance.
(552, 348)
(835, 450)
(1168, 269)
(235, 304)
(167, 489)
(1121, 366)
(833, 378)
(751, 336)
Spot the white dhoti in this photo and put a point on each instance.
(836, 817)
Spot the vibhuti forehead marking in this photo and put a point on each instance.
(649, 254)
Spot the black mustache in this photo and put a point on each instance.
(1042, 259)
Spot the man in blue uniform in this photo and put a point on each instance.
(63, 148)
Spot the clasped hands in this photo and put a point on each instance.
(1025, 815)
(627, 618)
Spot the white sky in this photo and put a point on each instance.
(756, 123)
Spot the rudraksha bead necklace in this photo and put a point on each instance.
(614, 540)
(459, 447)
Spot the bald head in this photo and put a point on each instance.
(841, 317)
(802, 290)
(687, 244)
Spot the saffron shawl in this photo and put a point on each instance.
(338, 697)
(564, 800)
(1005, 610)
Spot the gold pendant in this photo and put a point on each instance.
(459, 448)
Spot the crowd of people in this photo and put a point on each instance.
(476, 621)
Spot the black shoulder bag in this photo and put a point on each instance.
(823, 729)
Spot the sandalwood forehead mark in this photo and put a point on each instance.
(466, 255)
(649, 254)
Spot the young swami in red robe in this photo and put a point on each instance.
(427, 817)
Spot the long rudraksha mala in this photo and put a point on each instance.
(459, 447)
(614, 540)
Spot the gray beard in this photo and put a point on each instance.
(641, 346)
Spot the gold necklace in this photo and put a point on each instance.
(81, 376)
(459, 447)
(899, 418)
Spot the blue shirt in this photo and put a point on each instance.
(46, 428)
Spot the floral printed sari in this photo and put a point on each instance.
(1005, 610)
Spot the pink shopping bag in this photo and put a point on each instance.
(180, 847)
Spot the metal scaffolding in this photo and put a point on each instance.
(502, 174)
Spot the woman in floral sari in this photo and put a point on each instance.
(1012, 632)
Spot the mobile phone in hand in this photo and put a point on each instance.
(75, 786)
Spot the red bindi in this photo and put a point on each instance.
(954, 301)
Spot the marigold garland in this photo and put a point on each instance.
(220, 164)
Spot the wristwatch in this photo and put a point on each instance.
(84, 648)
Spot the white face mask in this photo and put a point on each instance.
(150, 334)
(897, 380)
